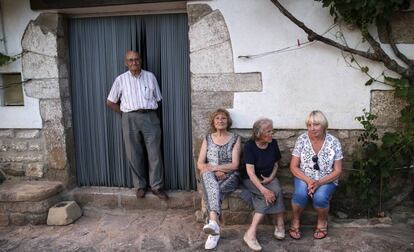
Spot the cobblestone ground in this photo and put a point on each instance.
(177, 230)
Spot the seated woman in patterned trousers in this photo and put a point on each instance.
(218, 163)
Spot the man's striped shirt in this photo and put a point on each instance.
(135, 92)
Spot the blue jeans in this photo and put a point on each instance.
(321, 196)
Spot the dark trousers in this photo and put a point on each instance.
(143, 127)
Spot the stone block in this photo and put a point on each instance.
(130, 201)
(13, 169)
(13, 145)
(17, 219)
(387, 108)
(63, 213)
(27, 156)
(236, 218)
(36, 219)
(4, 220)
(67, 112)
(27, 133)
(196, 11)
(212, 100)
(64, 87)
(214, 59)
(6, 133)
(225, 204)
(208, 31)
(35, 170)
(97, 196)
(232, 82)
(29, 190)
(34, 145)
(50, 23)
(57, 158)
(200, 123)
(35, 40)
(51, 109)
(237, 204)
(36, 66)
(31, 207)
(284, 134)
(343, 134)
(181, 200)
(63, 68)
(43, 89)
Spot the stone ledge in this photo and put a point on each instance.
(29, 190)
(124, 198)
(234, 82)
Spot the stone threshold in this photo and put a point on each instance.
(124, 198)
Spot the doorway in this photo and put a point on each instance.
(97, 47)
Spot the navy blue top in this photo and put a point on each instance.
(262, 159)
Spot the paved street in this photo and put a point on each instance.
(177, 230)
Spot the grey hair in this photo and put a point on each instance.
(258, 126)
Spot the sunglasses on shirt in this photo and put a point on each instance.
(315, 160)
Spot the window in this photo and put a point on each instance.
(11, 90)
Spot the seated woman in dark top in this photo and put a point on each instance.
(261, 154)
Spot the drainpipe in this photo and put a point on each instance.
(3, 33)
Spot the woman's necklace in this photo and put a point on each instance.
(317, 144)
(262, 145)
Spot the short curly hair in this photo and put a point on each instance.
(217, 112)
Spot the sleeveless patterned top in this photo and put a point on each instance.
(220, 154)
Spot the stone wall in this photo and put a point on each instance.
(48, 152)
(22, 153)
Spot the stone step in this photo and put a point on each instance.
(27, 202)
(124, 198)
(237, 212)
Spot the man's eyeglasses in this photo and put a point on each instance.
(132, 60)
(315, 160)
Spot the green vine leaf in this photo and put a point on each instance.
(4, 59)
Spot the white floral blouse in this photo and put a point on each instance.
(331, 150)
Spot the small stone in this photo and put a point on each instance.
(341, 215)
(63, 213)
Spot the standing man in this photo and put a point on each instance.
(139, 94)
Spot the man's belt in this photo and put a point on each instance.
(143, 110)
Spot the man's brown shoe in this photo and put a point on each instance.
(140, 193)
(160, 194)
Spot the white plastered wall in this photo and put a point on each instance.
(15, 17)
(303, 79)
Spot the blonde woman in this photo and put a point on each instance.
(316, 166)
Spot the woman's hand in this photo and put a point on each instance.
(266, 180)
(312, 186)
(269, 196)
(220, 175)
